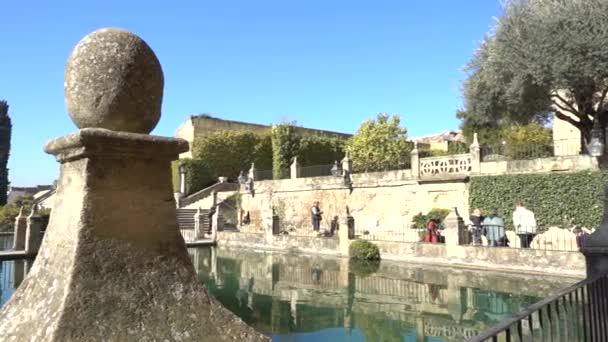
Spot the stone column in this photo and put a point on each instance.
(113, 265)
(343, 234)
(33, 233)
(216, 223)
(198, 225)
(595, 247)
(415, 161)
(295, 169)
(20, 230)
(475, 151)
(251, 173)
(451, 229)
(182, 181)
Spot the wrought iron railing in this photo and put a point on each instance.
(317, 171)
(577, 313)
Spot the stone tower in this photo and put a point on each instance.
(113, 265)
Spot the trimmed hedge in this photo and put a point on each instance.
(561, 200)
(285, 146)
(363, 250)
(320, 150)
(198, 175)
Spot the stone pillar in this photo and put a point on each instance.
(475, 151)
(20, 230)
(113, 265)
(451, 229)
(251, 173)
(198, 225)
(343, 234)
(295, 169)
(182, 181)
(216, 223)
(595, 246)
(415, 161)
(33, 234)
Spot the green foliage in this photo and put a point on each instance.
(9, 212)
(560, 200)
(379, 144)
(285, 146)
(364, 250)
(542, 57)
(226, 153)
(5, 147)
(529, 141)
(320, 150)
(198, 175)
(420, 220)
(262, 153)
(363, 268)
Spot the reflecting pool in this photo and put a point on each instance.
(318, 298)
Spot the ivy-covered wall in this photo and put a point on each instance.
(561, 200)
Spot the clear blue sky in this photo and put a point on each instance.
(327, 64)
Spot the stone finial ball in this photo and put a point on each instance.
(113, 80)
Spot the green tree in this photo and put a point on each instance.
(5, 147)
(285, 146)
(379, 144)
(542, 57)
(320, 150)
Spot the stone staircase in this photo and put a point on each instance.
(185, 220)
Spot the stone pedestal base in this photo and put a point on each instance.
(113, 265)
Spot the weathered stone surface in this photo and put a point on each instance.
(113, 80)
(113, 265)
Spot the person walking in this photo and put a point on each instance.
(476, 219)
(432, 231)
(525, 224)
(316, 216)
(495, 228)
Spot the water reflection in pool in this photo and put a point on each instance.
(308, 298)
(318, 298)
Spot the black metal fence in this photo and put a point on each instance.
(318, 170)
(269, 175)
(528, 150)
(577, 313)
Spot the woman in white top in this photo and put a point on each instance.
(525, 224)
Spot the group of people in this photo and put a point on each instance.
(493, 227)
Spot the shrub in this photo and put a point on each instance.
(320, 150)
(198, 175)
(285, 145)
(226, 153)
(420, 220)
(560, 200)
(363, 268)
(364, 250)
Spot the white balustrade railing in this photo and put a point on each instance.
(454, 164)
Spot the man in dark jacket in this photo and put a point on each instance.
(316, 216)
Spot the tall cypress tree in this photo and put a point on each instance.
(5, 147)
